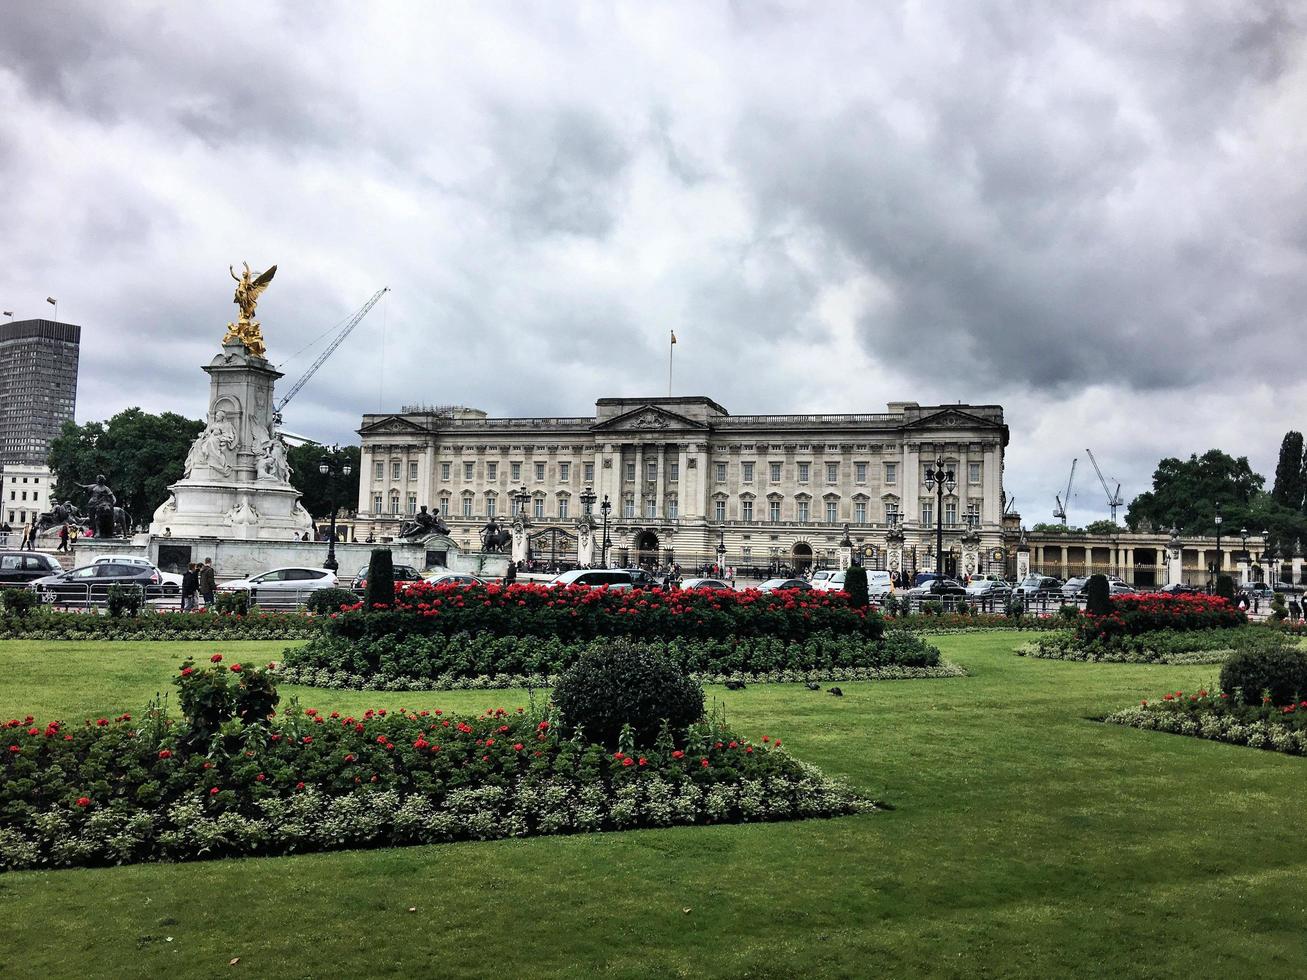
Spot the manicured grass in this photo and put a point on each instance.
(1026, 840)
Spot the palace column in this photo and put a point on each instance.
(660, 483)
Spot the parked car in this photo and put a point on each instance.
(282, 582)
(403, 573)
(21, 567)
(776, 584)
(1078, 586)
(828, 581)
(1036, 586)
(455, 578)
(1117, 587)
(92, 582)
(642, 578)
(1177, 589)
(172, 582)
(612, 578)
(705, 583)
(988, 591)
(938, 588)
(1258, 590)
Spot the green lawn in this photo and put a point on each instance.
(1026, 840)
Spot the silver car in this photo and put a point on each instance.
(282, 583)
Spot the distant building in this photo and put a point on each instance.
(25, 489)
(38, 387)
(684, 477)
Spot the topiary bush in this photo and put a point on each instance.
(233, 603)
(1225, 587)
(1099, 602)
(855, 584)
(19, 602)
(125, 600)
(1279, 612)
(1068, 613)
(626, 684)
(381, 579)
(330, 600)
(1273, 668)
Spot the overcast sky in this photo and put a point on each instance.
(1093, 214)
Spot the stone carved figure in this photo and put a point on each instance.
(214, 448)
(101, 507)
(423, 523)
(249, 287)
(273, 464)
(494, 538)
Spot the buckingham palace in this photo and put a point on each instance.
(687, 482)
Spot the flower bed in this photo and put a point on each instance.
(1157, 647)
(970, 623)
(438, 662)
(1133, 615)
(116, 791)
(581, 614)
(50, 625)
(1202, 714)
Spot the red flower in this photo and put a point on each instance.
(259, 777)
(214, 791)
(517, 746)
(678, 754)
(299, 785)
(83, 801)
(15, 749)
(187, 671)
(216, 658)
(628, 761)
(165, 754)
(703, 763)
(235, 668)
(102, 722)
(349, 757)
(307, 739)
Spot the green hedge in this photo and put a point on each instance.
(1158, 647)
(47, 625)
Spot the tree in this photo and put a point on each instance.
(855, 584)
(1288, 489)
(139, 454)
(1045, 528)
(1185, 492)
(318, 491)
(1103, 527)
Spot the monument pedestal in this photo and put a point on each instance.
(237, 480)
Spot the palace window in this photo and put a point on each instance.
(394, 469)
(412, 503)
(672, 509)
(394, 503)
(803, 472)
(444, 503)
(444, 471)
(630, 472)
(673, 472)
(538, 507)
(562, 508)
(628, 505)
(650, 507)
(540, 472)
(467, 506)
(973, 472)
(515, 472)
(380, 471)
(490, 505)
(492, 472)
(891, 512)
(973, 513)
(746, 472)
(891, 474)
(412, 471)
(376, 503)
(589, 471)
(832, 472)
(860, 472)
(719, 510)
(859, 512)
(651, 471)
(950, 512)
(746, 553)
(803, 511)
(928, 513)
(832, 512)
(746, 510)
(719, 472)
(564, 473)
(775, 472)
(468, 470)
(774, 510)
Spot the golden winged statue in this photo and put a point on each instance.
(249, 287)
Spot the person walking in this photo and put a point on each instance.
(510, 576)
(29, 536)
(63, 538)
(208, 582)
(190, 586)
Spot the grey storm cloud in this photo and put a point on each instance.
(1092, 213)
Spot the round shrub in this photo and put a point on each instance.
(18, 602)
(627, 684)
(1272, 667)
(125, 600)
(1098, 596)
(233, 603)
(330, 600)
(1225, 588)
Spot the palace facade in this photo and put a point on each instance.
(684, 478)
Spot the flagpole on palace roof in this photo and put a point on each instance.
(670, 348)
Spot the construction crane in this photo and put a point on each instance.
(1113, 498)
(339, 339)
(1060, 512)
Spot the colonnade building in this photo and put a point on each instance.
(684, 478)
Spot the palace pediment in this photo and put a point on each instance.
(391, 425)
(952, 418)
(649, 418)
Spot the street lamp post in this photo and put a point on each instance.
(937, 478)
(604, 508)
(721, 552)
(1220, 563)
(324, 468)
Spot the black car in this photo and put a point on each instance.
(938, 588)
(403, 573)
(21, 567)
(94, 581)
(642, 578)
(776, 584)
